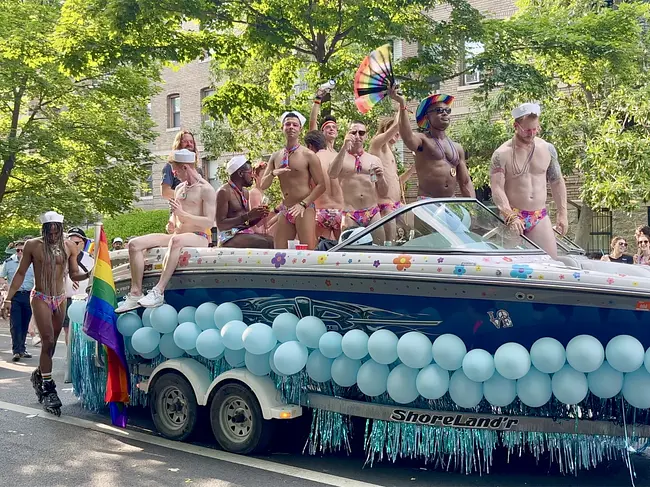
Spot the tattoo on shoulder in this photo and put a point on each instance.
(553, 173)
(497, 165)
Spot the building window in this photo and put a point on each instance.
(205, 92)
(146, 185)
(174, 111)
(474, 77)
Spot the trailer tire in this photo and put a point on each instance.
(174, 408)
(237, 422)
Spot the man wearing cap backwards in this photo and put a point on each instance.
(192, 214)
(296, 166)
(52, 257)
(330, 203)
(235, 218)
(439, 162)
(519, 172)
(361, 176)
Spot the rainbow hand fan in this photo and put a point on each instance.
(373, 78)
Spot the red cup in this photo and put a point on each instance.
(302, 247)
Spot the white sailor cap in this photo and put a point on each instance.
(235, 163)
(184, 156)
(526, 109)
(51, 217)
(299, 115)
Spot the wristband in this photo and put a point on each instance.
(403, 107)
(317, 101)
(303, 204)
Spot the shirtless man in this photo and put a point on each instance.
(296, 166)
(381, 146)
(192, 214)
(235, 218)
(361, 176)
(439, 162)
(330, 203)
(520, 170)
(53, 258)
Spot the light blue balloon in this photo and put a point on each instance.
(164, 319)
(382, 346)
(290, 358)
(193, 352)
(646, 360)
(319, 367)
(204, 316)
(569, 385)
(257, 364)
(625, 353)
(186, 334)
(354, 344)
(512, 360)
(225, 313)
(463, 391)
(145, 340)
(248, 294)
(77, 310)
(209, 344)
(259, 339)
(271, 361)
(235, 358)
(284, 327)
(414, 349)
(605, 382)
(127, 344)
(636, 388)
(309, 330)
(86, 338)
(449, 351)
(152, 354)
(478, 365)
(330, 344)
(232, 333)
(401, 385)
(372, 378)
(187, 315)
(146, 317)
(432, 382)
(168, 346)
(128, 323)
(499, 391)
(547, 355)
(345, 370)
(534, 389)
(585, 353)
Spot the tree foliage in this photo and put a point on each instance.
(70, 140)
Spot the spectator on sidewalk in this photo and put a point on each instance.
(21, 311)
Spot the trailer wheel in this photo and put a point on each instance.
(237, 421)
(174, 409)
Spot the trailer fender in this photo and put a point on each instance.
(264, 390)
(196, 374)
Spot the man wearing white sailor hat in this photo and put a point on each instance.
(192, 215)
(520, 171)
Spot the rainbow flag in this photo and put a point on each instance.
(100, 323)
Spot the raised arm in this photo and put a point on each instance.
(267, 178)
(315, 111)
(406, 175)
(336, 165)
(379, 140)
(411, 140)
(558, 190)
(463, 177)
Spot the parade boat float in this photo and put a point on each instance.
(454, 340)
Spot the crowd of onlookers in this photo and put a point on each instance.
(619, 249)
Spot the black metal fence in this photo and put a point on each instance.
(601, 231)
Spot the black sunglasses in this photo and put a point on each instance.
(440, 110)
(19, 250)
(360, 132)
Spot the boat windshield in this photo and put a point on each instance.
(433, 225)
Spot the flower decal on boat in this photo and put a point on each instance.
(610, 281)
(376, 264)
(521, 271)
(441, 260)
(459, 270)
(322, 259)
(402, 262)
(279, 260)
(576, 276)
(184, 259)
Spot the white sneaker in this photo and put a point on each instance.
(153, 299)
(130, 303)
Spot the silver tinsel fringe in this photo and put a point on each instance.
(329, 432)
(88, 381)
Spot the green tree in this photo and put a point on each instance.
(587, 65)
(70, 140)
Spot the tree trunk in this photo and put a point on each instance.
(10, 159)
(583, 230)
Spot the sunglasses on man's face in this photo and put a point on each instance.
(440, 110)
(360, 132)
(19, 251)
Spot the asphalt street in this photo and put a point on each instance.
(82, 449)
